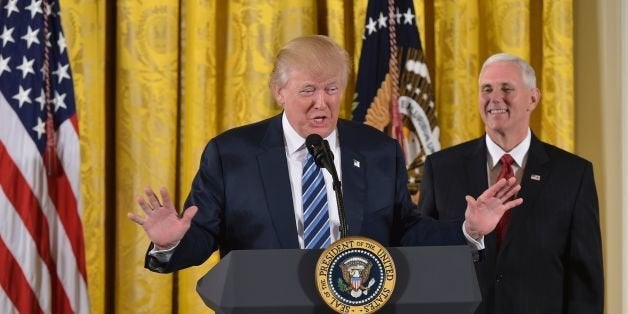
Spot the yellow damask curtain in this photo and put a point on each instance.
(155, 80)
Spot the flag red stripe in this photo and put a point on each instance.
(14, 283)
(27, 206)
(74, 120)
(62, 197)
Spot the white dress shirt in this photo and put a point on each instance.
(518, 154)
(296, 154)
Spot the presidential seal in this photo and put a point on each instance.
(355, 275)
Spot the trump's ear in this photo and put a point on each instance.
(278, 94)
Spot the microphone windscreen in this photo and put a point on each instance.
(313, 140)
(314, 144)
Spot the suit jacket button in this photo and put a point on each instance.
(499, 278)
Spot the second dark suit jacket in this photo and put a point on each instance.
(243, 193)
(551, 258)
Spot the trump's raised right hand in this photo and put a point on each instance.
(163, 225)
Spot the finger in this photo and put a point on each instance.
(513, 203)
(152, 198)
(512, 192)
(505, 193)
(511, 183)
(471, 205)
(508, 192)
(493, 189)
(145, 207)
(135, 218)
(189, 213)
(471, 202)
(165, 197)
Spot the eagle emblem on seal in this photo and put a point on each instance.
(355, 275)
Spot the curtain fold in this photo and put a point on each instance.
(557, 110)
(187, 70)
(84, 26)
(457, 68)
(146, 113)
(199, 117)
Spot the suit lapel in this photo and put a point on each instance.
(534, 175)
(275, 177)
(477, 177)
(353, 188)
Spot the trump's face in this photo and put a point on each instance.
(505, 101)
(311, 102)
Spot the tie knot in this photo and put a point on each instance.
(309, 161)
(506, 160)
(506, 171)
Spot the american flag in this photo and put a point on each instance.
(393, 89)
(42, 253)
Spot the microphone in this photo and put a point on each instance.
(319, 149)
(324, 158)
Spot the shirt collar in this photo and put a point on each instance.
(294, 141)
(518, 153)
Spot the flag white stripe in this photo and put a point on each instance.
(19, 241)
(68, 151)
(18, 142)
(6, 306)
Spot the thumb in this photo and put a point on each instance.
(504, 209)
(189, 213)
(470, 200)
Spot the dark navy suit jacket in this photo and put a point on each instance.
(243, 193)
(551, 258)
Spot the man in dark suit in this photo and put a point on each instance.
(248, 189)
(547, 258)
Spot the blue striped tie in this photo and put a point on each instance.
(315, 209)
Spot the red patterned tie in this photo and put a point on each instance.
(507, 173)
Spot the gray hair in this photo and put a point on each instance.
(527, 72)
(316, 54)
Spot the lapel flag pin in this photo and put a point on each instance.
(535, 177)
(356, 163)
